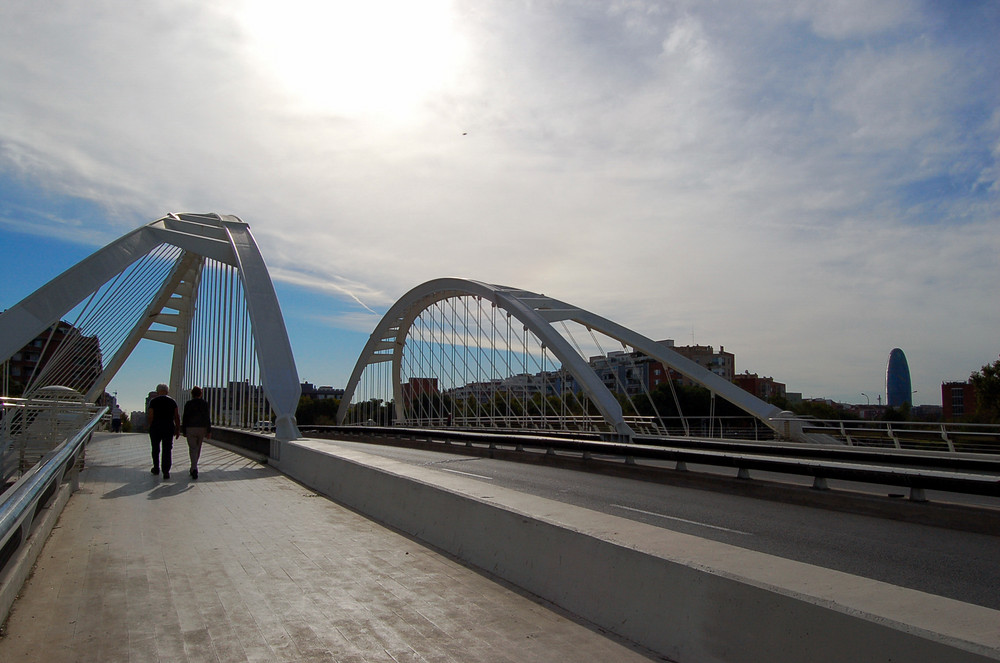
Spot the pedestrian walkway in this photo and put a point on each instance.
(244, 564)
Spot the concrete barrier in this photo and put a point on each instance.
(252, 445)
(687, 598)
(22, 563)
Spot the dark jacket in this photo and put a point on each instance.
(162, 414)
(196, 415)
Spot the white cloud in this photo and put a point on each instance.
(360, 322)
(667, 165)
(896, 98)
(844, 19)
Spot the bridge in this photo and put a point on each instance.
(474, 369)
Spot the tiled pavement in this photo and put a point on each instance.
(246, 565)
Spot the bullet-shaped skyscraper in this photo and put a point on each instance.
(897, 380)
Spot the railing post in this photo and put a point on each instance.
(892, 434)
(947, 438)
(847, 436)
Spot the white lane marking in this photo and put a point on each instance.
(689, 522)
(468, 474)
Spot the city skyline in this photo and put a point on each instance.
(718, 361)
(809, 184)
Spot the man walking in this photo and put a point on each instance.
(164, 425)
(116, 419)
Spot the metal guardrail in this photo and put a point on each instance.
(723, 427)
(22, 502)
(915, 435)
(918, 471)
(31, 427)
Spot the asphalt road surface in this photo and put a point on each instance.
(955, 564)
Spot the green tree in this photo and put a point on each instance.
(694, 401)
(987, 384)
(902, 413)
(320, 412)
(822, 410)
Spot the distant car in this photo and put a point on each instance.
(263, 425)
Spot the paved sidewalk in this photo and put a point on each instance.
(246, 565)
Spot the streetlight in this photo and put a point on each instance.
(868, 400)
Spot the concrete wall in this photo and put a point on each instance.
(253, 445)
(21, 564)
(687, 598)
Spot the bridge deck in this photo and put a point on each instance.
(244, 564)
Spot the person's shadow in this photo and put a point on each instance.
(141, 481)
(168, 490)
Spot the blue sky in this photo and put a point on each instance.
(808, 183)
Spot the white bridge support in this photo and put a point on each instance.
(538, 313)
(187, 242)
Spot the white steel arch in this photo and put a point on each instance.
(537, 313)
(225, 239)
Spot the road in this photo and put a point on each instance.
(950, 563)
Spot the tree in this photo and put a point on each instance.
(695, 401)
(822, 410)
(317, 412)
(902, 413)
(986, 382)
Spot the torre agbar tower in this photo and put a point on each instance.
(897, 380)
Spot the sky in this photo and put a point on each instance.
(809, 183)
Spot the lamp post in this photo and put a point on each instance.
(868, 401)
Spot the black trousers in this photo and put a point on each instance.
(163, 446)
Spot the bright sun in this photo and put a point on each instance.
(355, 57)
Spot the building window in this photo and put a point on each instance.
(957, 400)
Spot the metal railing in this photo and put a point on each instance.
(22, 502)
(727, 427)
(974, 474)
(909, 435)
(947, 437)
(31, 427)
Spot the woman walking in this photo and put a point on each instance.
(196, 425)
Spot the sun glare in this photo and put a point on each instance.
(376, 57)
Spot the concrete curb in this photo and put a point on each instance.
(687, 598)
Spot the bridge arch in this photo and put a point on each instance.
(196, 282)
(537, 313)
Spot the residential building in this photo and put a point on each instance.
(957, 400)
(523, 385)
(623, 372)
(764, 388)
(416, 387)
(721, 363)
(310, 390)
(78, 366)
